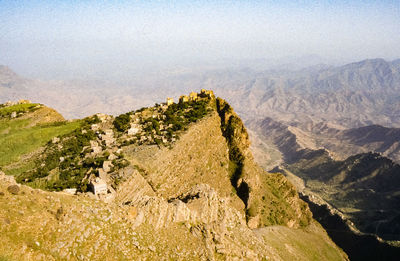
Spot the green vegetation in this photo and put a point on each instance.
(276, 203)
(68, 163)
(122, 122)
(18, 138)
(160, 124)
(70, 151)
(5, 112)
(181, 114)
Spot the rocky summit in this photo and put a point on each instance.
(176, 181)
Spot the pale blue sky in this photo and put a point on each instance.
(78, 39)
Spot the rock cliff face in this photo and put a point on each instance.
(269, 198)
(202, 197)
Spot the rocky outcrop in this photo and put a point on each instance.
(197, 225)
(6, 179)
(134, 188)
(215, 151)
(199, 205)
(200, 156)
(269, 198)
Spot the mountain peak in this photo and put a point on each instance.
(368, 64)
(8, 78)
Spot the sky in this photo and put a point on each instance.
(111, 39)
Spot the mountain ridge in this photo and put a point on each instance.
(147, 198)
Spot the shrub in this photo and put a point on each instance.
(252, 211)
(122, 122)
(91, 120)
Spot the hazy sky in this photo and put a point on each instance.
(78, 39)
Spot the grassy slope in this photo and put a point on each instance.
(310, 243)
(19, 108)
(18, 137)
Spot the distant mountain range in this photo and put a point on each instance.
(349, 96)
(74, 99)
(8, 78)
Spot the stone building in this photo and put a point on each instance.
(170, 101)
(134, 129)
(193, 96)
(24, 102)
(102, 117)
(208, 93)
(10, 103)
(98, 186)
(95, 127)
(108, 137)
(107, 165)
(95, 147)
(183, 98)
(102, 174)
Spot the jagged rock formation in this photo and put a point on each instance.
(190, 161)
(171, 172)
(201, 204)
(182, 200)
(254, 187)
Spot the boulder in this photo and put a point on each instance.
(13, 189)
(107, 165)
